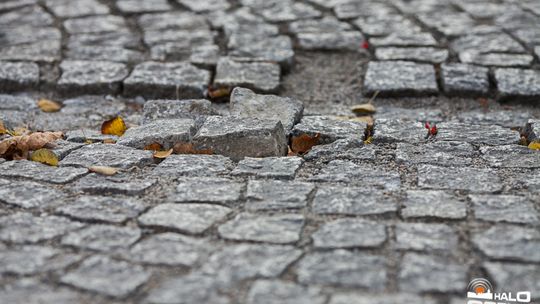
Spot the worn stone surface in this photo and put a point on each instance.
(463, 79)
(69, 9)
(492, 135)
(258, 76)
(142, 6)
(28, 194)
(349, 233)
(426, 237)
(269, 167)
(275, 291)
(532, 130)
(166, 132)
(118, 184)
(338, 41)
(394, 130)
(18, 75)
(26, 260)
(40, 172)
(433, 203)
(107, 155)
(471, 179)
(446, 153)
(511, 156)
(191, 288)
(347, 171)
(102, 237)
(176, 109)
(504, 208)
(102, 208)
(208, 190)
(280, 229)
(517, 83)
(353, 201)
(329, 129)
(276, 194)
(509, 242)
(91, 77)
(421, 54)
(273, 49)
(193, 165)
(24, 227)
(515, 276)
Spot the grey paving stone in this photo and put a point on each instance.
(118, 184)
(347, 171)
(447, 23)
(40, 172)
(275, 194)
(274, 291)
(511, 156)
(505, 242)
(242, 21)
(348, 149)
(105, 276)
(377, 298)
(205, 56)
(344, 269)
(349, 233)
(18, 76)
(399, 78)
(444, 153)
(504, 118)
(190, 218)
(504, 208)
(172, 20)
(185, 48)
(481, 9)
(464, 79)
(93, 104)
(426, 237)
(532, 130)
(108, 155)
(21, 36)
(528, 179)
(348, 9)
(112, 53)
(208, 190)
(32, 15)
(466, 178)
(27, 194)
(89, 77)
(17, 103)
(337, 41)
(24, 227)
(324, 25)
(102, 208)
(389, 113)
(422, 54)
(404, 39)
(102, 237)
(13, 4)
(63, 147)
(276, 229)
(476, 134)
(237, 137)
(162, 80)
(47, 52)
(70, 9)
(282, 11)
(433, 203)
(329, 129)
(517, 84)
(176, 109)
(427, 273)
(193, 165)
(166, 132)
(352, 201)
(515, 276)
(487, 43)
(205, 5)
(516, 18)
(175, 40)
(269, 167)
(95, 24)
(142, 6)
(191, 288)
(169, 249)
(32, 259)
(272, 49)
(34, 291)
(385, 24)
(258, 76)
(92, 135)
(120, 38)
(496, 59)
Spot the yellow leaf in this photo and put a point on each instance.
(535, 145)
(364, 109)
(115, 126)
(44, 156)
(163, 154)
(369, 140)
(49, 106)
(108, 171)
(3, 129)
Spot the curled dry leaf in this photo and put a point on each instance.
(108, 171)
(163, 154)
(29, 142)
(153, 147)
(44, 156)
(187, 148)
(3, 129)
(109, 141)
(535, 145)
(364, 109)
(49, 106)
(303, 143)
(216, 93)
(115, 126)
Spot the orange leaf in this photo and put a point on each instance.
(218, 93)
(48, 106)
(187, 148)
(153, 147)
(163, 154)
(303, 143)
(45, 156)
(115, 126)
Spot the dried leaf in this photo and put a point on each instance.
(218, 92)
(535, 145)
(115, 126)
(303, 143)
(19, 131)
(187, 148)
(163, 154)
(368, 140)
(44, 156)
(49, 106)
(3, 129)
(153, 147)
(109, 141)
(30, 142)
(108, 171)
(364, 109)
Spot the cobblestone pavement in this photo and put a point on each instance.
(405, 219)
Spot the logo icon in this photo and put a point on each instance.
(480, 288)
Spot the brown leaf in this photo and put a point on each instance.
(108, 171)
(303, 143)
(29, 142)
(187, 148)
(163, 154)
(153, 147)
(44, 156)
(3, 129)
(218, 92)
(49, 106)
(115, 126)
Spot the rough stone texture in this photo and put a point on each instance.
(329, 129)
(338, 41)
(275, 194)
(205, 5)
(142, 6)
(274, 291)
(496, 59)
(32, 259)
(464, 79)
(18, 76)
(191, 288)
(258, 76)
(421, 54)
(378, 298)
(40, 172)
(349, 233)
(471, 179)
(69, 9)
(107, 155)
(511, 156)
(392, 130)
(113, 53)
(352, 201)
(504, 208)
(24, 227)
(102, 208)
(102, 237)
(95, 24)
(532, 130)
(117, 184)
(348, 148)
(347, 171)
(166, 132)
(509, 242)
(272, 49)
(176, 109)
(515, 276)
(34, 291)
(91, 77)
(445, 153)
(269, 167)
(208, 190)
(515, 84)
(193, 165)
(433, 204)
(29, 194)
(405, 39)
(426, 237)
(476, 134)
(323, 25)
(276, 229)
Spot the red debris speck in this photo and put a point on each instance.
(365, 45)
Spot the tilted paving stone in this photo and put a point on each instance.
(120, 38)
(166, 132)
(348, 9)
(237, 137)
(330, 129)
(426, 237)
(377, 298)
(258, 76)
(106, 276)
(476, 134)
(429, 273)
(205, 5)
(112, 53)
(32, 259)
(422, 54)
(464, 79)
(102, 208)
(33, 291)
(69, 9)
(343, 269)
(399, 78)
(24, 227)
(108, 155)
(466, 178)
(276, 291)
(433, 204)
(176, 109)
(504, 118)
(142, 6)
(269, 167)
(515, 276)
(324, 25)
(272, 49)
(83, 77)
(404, 39)
(352, 201)
(382, 25)
(246, 103)
(276, 229)
(102, 237)
(95, 24)
(118, 184)
(18, 76)
(504, 208)
(190, 218)
(31, 15)
(208, 190)
(349, 233)
(191, 288)
(511, 156)
(28, 194)
(276, 194)
(506, 242)
(40, 172)
(445, 153)
(348, 149)
(338, 41)
(532, 130)
(517, 84)
(193, 165)
(496, 59)
(163, 80)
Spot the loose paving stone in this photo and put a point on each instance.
(18, 76)
(105, 276)
(426, 237)
(464, 79)
(176, 109)
(496, 59)
(258, 76)
(272, 49)
(172, 20)
(102, 237)
(399, 78)
(162, 80)
(245, 103)
(422, 54)
(274, 291)
(504, 118)
(88, 77)
(112, 53)
(166, 132)
(40, 172)
(517, 84)
(69, 9)
(95, 24)
(337, 41)
(445, 153)
(349, 149)
(433, 203)
(323, 25)
(169, 249)
(349, 233)
(27, 194)
(269, 167)
(532, 130)
(63, 147)
(329, 129)
(205, 5)
(504, 208)
(190, 218)
(276, 194)
(142, 6)
(277, 229)
(32, 259)
(404, 39)
(477, 134)
(509, 243)
(466, 178)
(377, 298)
(117, 184)
(352, 201)
(515, 276)
(33, 291)
(24, 227)
(191, 288)
(511, 156)
(193, 165)
(344, 269)
(424, 273)
(102, 208)
(208, 190)
(108, 155)
(237, 137)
